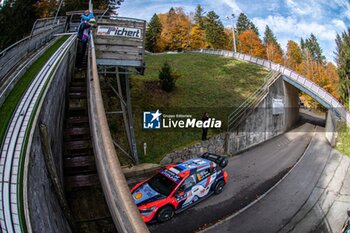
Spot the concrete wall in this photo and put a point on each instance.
(45, 212)
(332, 128)
(261, 125)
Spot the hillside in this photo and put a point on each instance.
(206, 83)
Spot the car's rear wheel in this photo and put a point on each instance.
(165, 214)
(219, 187)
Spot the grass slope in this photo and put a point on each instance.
(207, 83)
(10, 104)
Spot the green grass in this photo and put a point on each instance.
(207, 83)
(343, 142)
(9, 106)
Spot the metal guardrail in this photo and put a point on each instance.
(299, 81)
(122, 207)
(42, 31)
(15, 144)
(236, 117)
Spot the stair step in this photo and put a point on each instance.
(80, 181)
(77, 89)
(81, 153)
(79, 83)
(78, 121)
(77, 131)
(79, 165)
(78, 145)
(77, 95)
(79, 161)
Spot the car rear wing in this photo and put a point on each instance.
(218, 159)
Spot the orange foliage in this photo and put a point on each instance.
(250, 43)
(273, 53)
(198, 37)
(176, 30)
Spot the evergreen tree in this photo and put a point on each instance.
(244, 24)
(198, 17)
(313, 47)
(214, 30)
(274, 51)
(16, 21)
(166, 78)
(343, 62)
(153, 32)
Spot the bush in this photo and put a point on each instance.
(166, 78)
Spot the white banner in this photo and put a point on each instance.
(119, 31)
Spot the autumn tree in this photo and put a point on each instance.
(198, 37)
(153, 33)
(244, 24)
(294, 56)
(46, 8)
(214, 30)
(343, 62)
(250, 43)
(274, 51)
(176, 33)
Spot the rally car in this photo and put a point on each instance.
(180, 186)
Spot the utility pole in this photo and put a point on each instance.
(233, 31)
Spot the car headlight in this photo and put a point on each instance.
(148, 210)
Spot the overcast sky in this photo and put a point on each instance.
(288, 19)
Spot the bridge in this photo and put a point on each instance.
(32, 191)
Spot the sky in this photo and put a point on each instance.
(288, 19)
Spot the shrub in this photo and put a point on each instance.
(166, 78)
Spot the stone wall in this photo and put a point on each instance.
(261, 125)
(45, 213)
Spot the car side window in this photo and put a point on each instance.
(189, 182)
(204, 173)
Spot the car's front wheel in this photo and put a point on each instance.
(165, 213)
(219, 187)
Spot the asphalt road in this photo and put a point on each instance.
(274, 211)
(251, 174)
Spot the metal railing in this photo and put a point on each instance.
(17, 140)
(236, 117)
(299, 81)
(122, 207)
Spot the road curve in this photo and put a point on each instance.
(251, 174)
(277, 208)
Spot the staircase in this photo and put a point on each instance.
(82, 186)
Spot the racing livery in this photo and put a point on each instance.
(180, 186)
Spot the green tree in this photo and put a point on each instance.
(16, 21)
(274, 51)
(244, 24)
(343, 62)
(198, 17)
(166, 78)
(153, 32)
(214, 30)
(312, 45)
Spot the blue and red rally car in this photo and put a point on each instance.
(180, 186)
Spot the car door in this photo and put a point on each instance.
(184, 194)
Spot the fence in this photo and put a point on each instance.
(299, 81)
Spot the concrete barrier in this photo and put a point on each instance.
(122, 207)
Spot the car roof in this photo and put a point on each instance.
(191, 165)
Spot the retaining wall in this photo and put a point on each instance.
(45, 213)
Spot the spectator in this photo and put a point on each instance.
(86, 16)
(83, 38)
(205, 129)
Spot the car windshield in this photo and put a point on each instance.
(162, 184)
